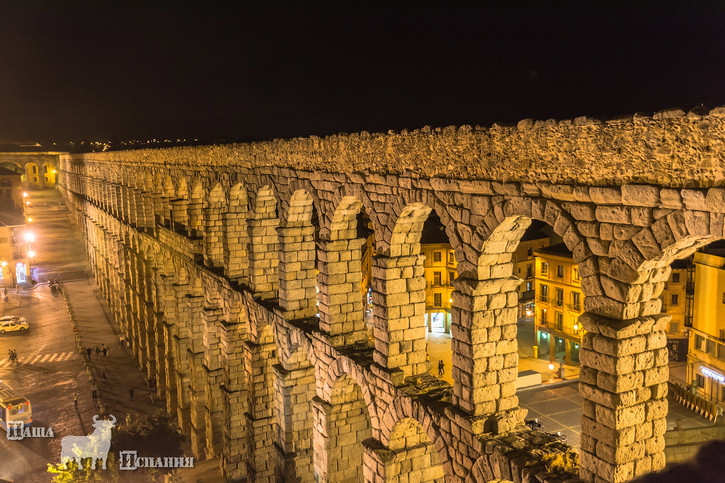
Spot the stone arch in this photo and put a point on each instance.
(236, 237)
(263, 253)
(341, 428)
(342, 257)
(196, 205)
(414, 456)
(399, 291)
(295, 386)
(298, 258)
(213, 227)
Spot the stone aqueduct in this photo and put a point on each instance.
(210, 257)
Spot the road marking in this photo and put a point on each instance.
(34, 358)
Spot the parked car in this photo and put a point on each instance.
(12, 323)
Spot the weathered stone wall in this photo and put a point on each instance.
(683, 444)
(206, 256)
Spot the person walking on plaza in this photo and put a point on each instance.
(75, 400)
(98, 351)
(130, 394)
(88, 351)
(104, 349)
(441, 367)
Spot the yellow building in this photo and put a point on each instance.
(559, 303)
(677, 301)
(524, 265)
(440, 271)
(15, 262)
(706, 356)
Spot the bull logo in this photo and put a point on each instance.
(94, 446)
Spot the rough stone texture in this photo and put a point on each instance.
(214, 287)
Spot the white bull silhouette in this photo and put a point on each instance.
(94, 446)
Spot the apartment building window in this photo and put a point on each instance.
(436, 278)
(543, 316)
(530, 252)
(674, 327)
(559, 297)
(436, 256)
(559, 321)
(529, 286)
(560, 271)
(576, 301)
(575, 274)
(699, 342)
(450, 258)
(436, 300)
(451, 277)
(699, 380)
(675, 278)
(544, 296)
(544, 268)
(710, 347)
(723, 297)
(529, 270)
(35, 169)
(675, 299)
(721, 352)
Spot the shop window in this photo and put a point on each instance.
(675, 299)
(544, 295)
(436, 256)
(436, 300)
(559, 297)
(560, 271)
(675, 278)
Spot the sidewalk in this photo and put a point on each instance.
(119, 367)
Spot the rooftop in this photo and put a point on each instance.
(558, 249)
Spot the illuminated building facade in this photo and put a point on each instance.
(706, 357)
(440, 271)
(525, 261)
(559, 303)
(15, 262)
(11, 190)
(677, 302)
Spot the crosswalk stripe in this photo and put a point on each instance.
(41, 358)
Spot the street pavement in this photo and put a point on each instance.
(50, 370)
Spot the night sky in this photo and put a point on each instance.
(207, 70)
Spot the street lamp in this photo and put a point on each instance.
(29, 236)
(31, 254)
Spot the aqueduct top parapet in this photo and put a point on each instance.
(669, 149)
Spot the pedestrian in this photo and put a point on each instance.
(105, 352)
(441, 367)
(130, 394)
(15, 356)
(75, 400)
(98, 350)
(88, 351)
(103, 374)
